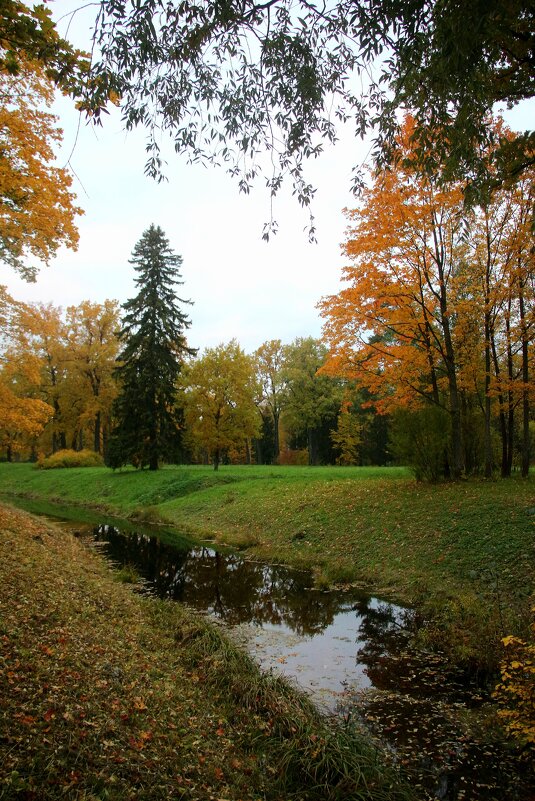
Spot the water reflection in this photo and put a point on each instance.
(226, 585)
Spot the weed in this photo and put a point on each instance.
(127, 575)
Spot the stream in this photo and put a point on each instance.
(349, 651)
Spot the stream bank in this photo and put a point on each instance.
(353, 654)
(108, 695)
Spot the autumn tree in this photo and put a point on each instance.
(219, 391)
(30, 34)
(153, 349)
(37, 208)
(346, 437)
(416, 323)
(91, 351)
(23, 414)
(37, 353)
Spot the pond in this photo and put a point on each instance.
(351, 652)
(322, 640)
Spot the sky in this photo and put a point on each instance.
(241, 286)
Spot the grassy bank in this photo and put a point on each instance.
(464, 549)
(107, 695)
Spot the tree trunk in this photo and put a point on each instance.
(501, 417)
(525, 380)
(312, 447)
(510, 399)
(457, 463)
(96, 442)
(276, 438)
(216, 458)
(488, 327)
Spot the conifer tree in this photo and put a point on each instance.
(153, 350)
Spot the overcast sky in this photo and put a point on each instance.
(241, 286)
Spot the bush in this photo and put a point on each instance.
(293, 457)
(516, 691)
(419, 440)
(69, 458)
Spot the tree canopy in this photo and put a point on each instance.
(232, 80)
(437, 308)
(37, 208)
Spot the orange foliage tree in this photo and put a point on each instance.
(23, 415)
(37, 208)
(65, 361)
(432, 289)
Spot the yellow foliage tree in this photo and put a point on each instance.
(219, 394)
(37, 208)
(516, 691)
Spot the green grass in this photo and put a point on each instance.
(465, 548)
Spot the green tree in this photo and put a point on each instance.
(219, 400)
(191, 69)
(153, 350)
(269, 362)
(312, 400)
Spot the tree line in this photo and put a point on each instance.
(426, 356)
(126, 384)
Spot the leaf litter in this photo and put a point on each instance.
(95, 701)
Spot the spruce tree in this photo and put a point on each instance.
(153, 350)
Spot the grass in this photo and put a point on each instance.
(109, 695)
(464, 551)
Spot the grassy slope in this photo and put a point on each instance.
(371, 525)
(107, 695)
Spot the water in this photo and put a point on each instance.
(313, 637)
(352, 653)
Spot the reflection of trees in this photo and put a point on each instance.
(226, 585)
(391, 664)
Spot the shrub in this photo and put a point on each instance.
(293, 457)
(516, 691)
(419, 439)
(69, 458)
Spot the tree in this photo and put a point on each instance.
(30, 34)
(91, 351)
(151, 358)
(38, 361)
(346, 437)
(269, 363)
(432, 292)
(37, 208)
(230, 80)
(219, 400)
(312, 399)
(23, 415)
